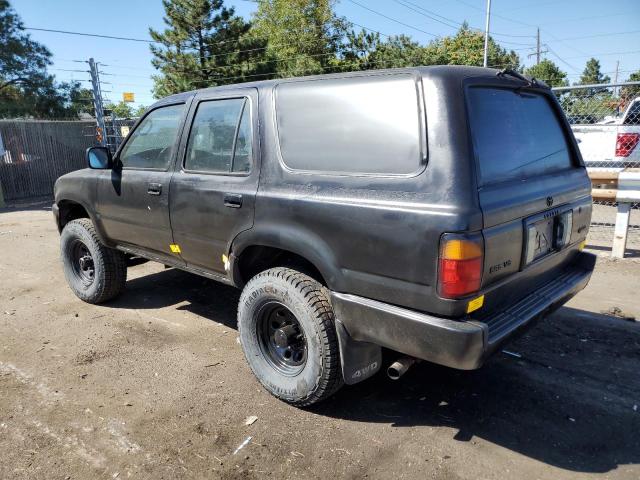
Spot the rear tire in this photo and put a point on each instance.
(94, 272)
(288, 335)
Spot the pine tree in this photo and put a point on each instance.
(204, 44)
(305, 36)
(23, 62)
(592, 73)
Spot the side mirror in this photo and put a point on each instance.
(99, 158)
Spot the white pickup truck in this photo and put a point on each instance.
(614, 142)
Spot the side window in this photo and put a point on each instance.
(220, 138)
(360, 125)
(243, 151)
(151, 144)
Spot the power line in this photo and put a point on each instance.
(573, 20)
(370, 29)
(430, 14)
(91, 35)
(598, 35)
(606, 54)
(495, 14)
(561, 59)
(392, 19)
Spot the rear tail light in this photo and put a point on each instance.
(625, 143)
(460, 265)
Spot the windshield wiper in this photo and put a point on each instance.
(531, 82)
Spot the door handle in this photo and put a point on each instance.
(232, 200)
(154, 188)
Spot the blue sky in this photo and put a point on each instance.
(564, 25)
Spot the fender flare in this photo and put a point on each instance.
(90, 212)
(296, 240)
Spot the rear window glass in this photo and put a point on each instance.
(516, 135)
(363, 125)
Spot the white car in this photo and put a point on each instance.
(612, 142)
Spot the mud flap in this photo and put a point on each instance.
(359, 360)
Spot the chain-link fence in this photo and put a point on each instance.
(116, 130)
(605, 120)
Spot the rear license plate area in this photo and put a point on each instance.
(547, 233)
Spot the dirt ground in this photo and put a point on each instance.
(154, 385)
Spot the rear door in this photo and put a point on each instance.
(533, 188)
(214, 187)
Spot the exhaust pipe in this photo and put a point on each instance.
(400, 367)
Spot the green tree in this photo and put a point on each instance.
(139, 111)
(592, 73)
(204, 44)
(304, 36)
(548, 72)
(466, 47)
(26, 89)
(77, 99)
(120, 109)
(590, 105)
(23, 62)
(365, 51)
(629, 93)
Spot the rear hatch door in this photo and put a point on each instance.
(533, 188)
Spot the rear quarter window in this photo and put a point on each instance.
(362, 125)
(515, 134)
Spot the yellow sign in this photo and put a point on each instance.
(175, 248)
(128, 97)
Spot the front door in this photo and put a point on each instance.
(213, 189)
(133, 198)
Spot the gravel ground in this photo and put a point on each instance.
(154, 385)
(603, 222)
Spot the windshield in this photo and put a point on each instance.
(515, 134)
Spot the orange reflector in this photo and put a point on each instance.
(459, 249)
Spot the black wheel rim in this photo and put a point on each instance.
(281, 338)
(82, 262)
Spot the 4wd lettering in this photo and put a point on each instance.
(366, 371)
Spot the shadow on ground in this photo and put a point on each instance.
(572, 400)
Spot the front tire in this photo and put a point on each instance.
(94, 272)
(288, 336)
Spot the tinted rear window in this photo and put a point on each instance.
(515, 135)
(361, 125)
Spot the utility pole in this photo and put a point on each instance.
(538, 46)
(485, 60)
(97, 101)
(616, 90)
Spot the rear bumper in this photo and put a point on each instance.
(462, 344)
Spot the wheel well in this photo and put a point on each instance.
(258, 258)
(70, 211)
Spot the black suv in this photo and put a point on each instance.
(433, 211)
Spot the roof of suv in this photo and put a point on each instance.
(450, 72)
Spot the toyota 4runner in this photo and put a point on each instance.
(432, 211)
